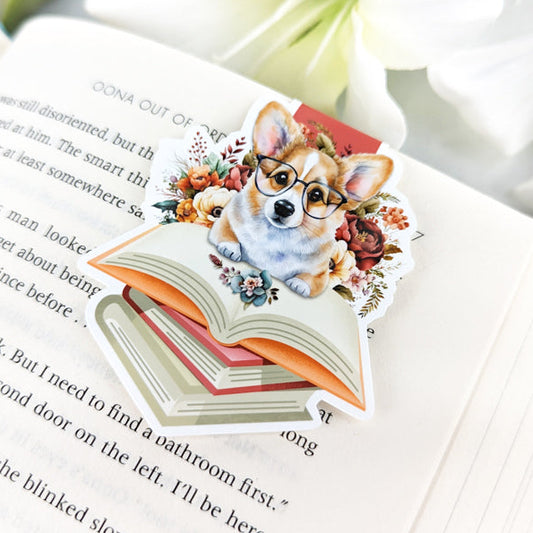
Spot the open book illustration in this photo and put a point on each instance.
(245, 297)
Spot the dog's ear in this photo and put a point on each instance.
(275, 130)
(364, 175)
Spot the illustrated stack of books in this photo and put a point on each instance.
(190, 351)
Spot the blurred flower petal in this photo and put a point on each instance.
(492, 89)
(254, 33)
(524, 193)
(317, 65)
(200, 27)
(369, 107)
(309, 50)
(4, 41)
(490, 84)
(313, 67)
(410, 34)
(252, 47)
(13, 11)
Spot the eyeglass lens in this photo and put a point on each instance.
(319, 200)
(273, 177)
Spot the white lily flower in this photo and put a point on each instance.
(322, 52)
(4, 41)
(491, 83)
(524, 194)
(410, 34)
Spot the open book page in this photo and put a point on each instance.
(68, 422)
(218, 367)
(485, 472)
(172, 255)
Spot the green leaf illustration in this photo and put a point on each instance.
(373, 301)
(166, 205)
(388, 197)
(345, 292)
(250, 160)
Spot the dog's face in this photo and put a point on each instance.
(285, 218)
(302, 190)
(296, 186)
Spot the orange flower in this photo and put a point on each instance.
(185, 212)
(394, 218)
(199, 178)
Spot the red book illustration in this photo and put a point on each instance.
(221, 369)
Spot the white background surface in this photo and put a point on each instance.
(437, 134)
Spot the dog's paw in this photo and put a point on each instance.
(232, 250)
(299, 286)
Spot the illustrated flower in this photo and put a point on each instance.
(173, 186)
(252, 286)
(360, 279)
(327, 53)
(394, 218)
(199, 178)
(341, 263)
(237, 177)
(228, 273)
(364, 239)
(209, 204)
(185, 211)
(307, 132)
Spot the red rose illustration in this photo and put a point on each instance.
(364, 239)
(237, 177)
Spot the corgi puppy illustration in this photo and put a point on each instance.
(284, 219)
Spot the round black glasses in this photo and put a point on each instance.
(273, 177)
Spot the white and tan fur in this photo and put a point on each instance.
(296, 248)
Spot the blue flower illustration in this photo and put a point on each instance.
(252, 286)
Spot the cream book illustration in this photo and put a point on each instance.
(300, 337)
(322, 357)
(172, 392)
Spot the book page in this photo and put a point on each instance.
(81, 110)
(481, 481)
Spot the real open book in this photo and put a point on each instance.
(449, 447)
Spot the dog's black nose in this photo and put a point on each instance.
(284, 208)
